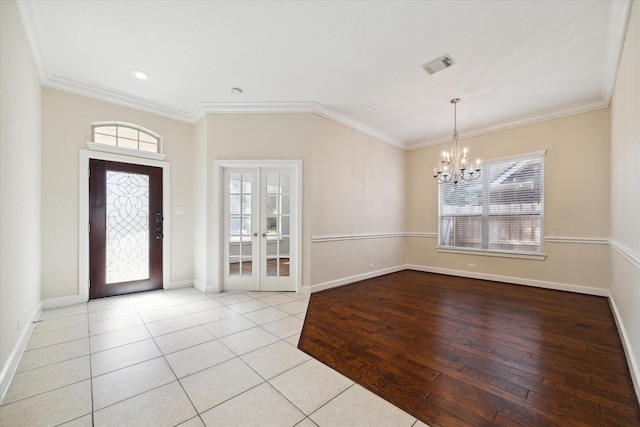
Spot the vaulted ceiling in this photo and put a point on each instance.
(356, 62)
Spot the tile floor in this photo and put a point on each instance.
(181, 357)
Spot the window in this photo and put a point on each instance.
(502, 211)
(126, 135)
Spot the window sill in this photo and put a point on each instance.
(540, 257)
(124, 151)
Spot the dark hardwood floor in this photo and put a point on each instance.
(463, 352)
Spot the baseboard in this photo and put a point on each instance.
(62, 301)
(204, 288)
(634, 369)
(11, 366)
(352, 279)
(180, 284)
(513, 280)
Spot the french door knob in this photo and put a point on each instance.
(255, 234)
(264, 234)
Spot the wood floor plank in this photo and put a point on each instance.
(464, 352)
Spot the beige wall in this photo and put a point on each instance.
(576, 202)
(352, 185)
(66, 127)
(20, 191)
(625, 194)
(358, 192)
(252, 137)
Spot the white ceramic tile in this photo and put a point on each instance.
(85, 421)
(114, 324)
(58, 336)
(233, 298)
(306, 423)
(176, 292)
(257, 407)
(249, 340)
(277, 299)
(213, 315)
(284, 328)
(275, 359)
(51, 408)
(293, 340)
(52, 354)
(54, 313)
(203, 305)
(214, 385)
(127, 382)
(266, 315)
(310, 385)
(171, 325)
(117, 338)
(162, 314)
(59, 323)
(182, 339)
(167, 405)
(199, 357)
(193, 422)
(40, 380)
(96, 316)
(359, 407)
(248, 306)
(108, 303)
(301, 316)
(230, 325)
(123, 356)
(185, 299)
(294, 307)
(419, 423)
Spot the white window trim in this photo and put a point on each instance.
(94, 146)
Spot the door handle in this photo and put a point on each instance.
(255, 234)
(264, 234)
(159, 226)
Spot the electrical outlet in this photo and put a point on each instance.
(471, 266)
(19, 325)
(371, 266)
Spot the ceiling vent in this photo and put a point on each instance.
(438, 64)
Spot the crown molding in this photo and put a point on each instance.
(31, 26)
(530, 119)
(618, 23)
(93, 92)
(343, 119)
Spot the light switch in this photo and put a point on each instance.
(179, 210)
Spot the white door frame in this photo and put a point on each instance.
(83, 214)
(220, 166)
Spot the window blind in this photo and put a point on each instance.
(501, 211)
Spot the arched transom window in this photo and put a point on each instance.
(126, 135)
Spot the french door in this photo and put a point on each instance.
(126, 228)
(260, 223)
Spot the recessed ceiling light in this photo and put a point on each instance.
(138, 74)
(236, 91)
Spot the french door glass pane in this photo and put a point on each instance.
(277, 213)
(240, 243)
(127, 228)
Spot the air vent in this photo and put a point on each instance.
(438, 64)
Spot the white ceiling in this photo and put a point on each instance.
(516, 62)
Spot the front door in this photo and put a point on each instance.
(260, 223)
(126, 228)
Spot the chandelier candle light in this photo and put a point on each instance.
(455, 165)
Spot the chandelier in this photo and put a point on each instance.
(455, 166)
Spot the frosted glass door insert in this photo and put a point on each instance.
(127, 227)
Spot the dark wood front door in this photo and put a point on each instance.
(126, 226)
